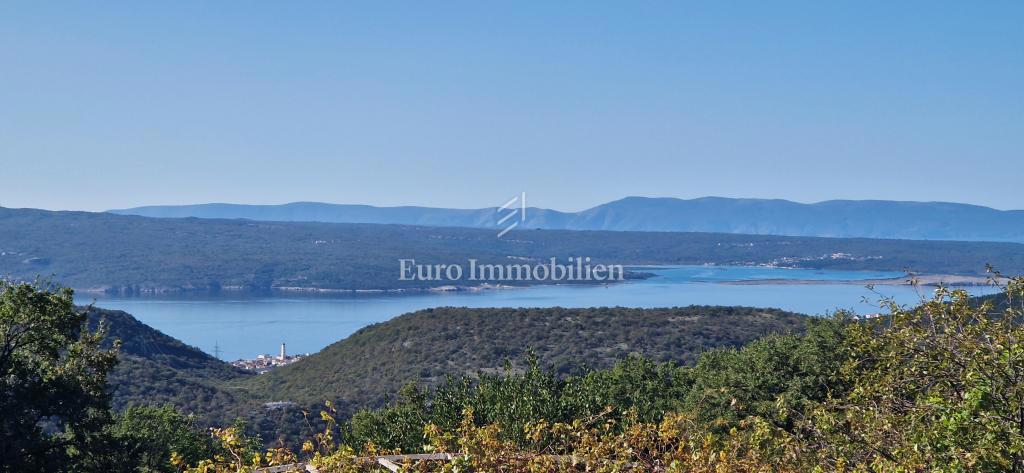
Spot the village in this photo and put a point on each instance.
(266, 362)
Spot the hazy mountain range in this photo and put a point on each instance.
(834, 218)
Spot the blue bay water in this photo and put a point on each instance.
(243, 326)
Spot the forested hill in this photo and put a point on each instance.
(157, 369)
(834, 218)
(367, 368)
(142, 341)
(131, 254)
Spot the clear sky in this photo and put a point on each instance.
(465, 104)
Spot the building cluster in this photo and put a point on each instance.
(266, 362)
(789, 260)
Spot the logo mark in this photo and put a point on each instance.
(510, 210)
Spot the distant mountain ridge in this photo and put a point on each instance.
(833, 218)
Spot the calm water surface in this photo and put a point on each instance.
(244, 326)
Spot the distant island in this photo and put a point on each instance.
(140, 255)
(833, 218)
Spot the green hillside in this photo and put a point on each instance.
(367, 368)
(156, 369)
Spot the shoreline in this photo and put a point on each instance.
(921, 280)
(930, 280)
(299, 290)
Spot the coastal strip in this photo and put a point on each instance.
(921, 280)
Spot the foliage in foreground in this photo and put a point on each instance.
(53, 400)
(940, 386)
(936, 387)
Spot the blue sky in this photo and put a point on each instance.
(465, 104)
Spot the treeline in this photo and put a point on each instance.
(136, 254)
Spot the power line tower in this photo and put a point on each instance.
(216, 350)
